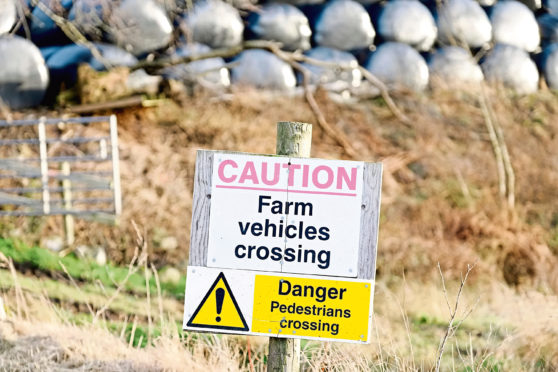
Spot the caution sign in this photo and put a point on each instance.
(279, 305)
(322, 308)
(219, 309)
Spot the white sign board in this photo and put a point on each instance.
(279, 305)
(293, 215)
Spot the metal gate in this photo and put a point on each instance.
(54, 166)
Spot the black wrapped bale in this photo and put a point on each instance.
(344, 25)
(214, 23)
(409, 22)
(140, 26)
(283, 23)
(24, 75)
(211, 73)
(511, 66)
(514, 24)
(263, 69)
(334, 78)
(548, 25)
(44, 31)
(399, 66)
(454, 66)
(464, 22)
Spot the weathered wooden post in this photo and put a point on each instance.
(293, 139)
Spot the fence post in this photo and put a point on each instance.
(43, 154)
(115, 166)
(293, 139)
(69, 224)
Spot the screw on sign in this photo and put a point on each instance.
(283, 246)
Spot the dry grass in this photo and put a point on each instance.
(441, 203)
(507, 330)
(440, 194)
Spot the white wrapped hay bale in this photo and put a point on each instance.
(8, 15)
(514, 24)
(487, 3)
(511, 66)
(262, 69)
(464, 22)
(550, 66)
(533, 5)
(24, 75)
(334, 78)
(454, 66)
(399, 66)
(113, 56)
(140, 26)
(344, 25)
(409, 22)
(210, 73)
(214, 23)
(283, 23)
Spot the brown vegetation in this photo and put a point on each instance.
(440, 198)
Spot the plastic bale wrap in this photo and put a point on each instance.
(399, 66)
(283, 23)
(454, 66)
(533, 5)
(211, 73)
(90, 16)
(334, 79)
(263, 69)
(214, 23)
(8, 15)
(112, 56)
(464, 21)
(409, 22)
(512, 67)
(514, 24)
(551, 6)
(44, 31)
(548, 26)
(140, 26)
(24, 75)
(344, 25)
(550, 65)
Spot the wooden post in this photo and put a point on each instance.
(293, 139)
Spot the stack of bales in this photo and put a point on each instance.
(408, 44)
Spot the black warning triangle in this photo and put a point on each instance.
(219, 309)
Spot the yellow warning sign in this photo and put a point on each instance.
(293, 306)
(219, 309)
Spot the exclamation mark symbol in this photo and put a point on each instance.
(220, 296)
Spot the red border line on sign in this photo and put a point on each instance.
(285, 190)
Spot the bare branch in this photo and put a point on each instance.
(451, 328)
